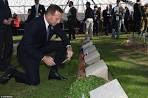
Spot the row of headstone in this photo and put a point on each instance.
(98, 67)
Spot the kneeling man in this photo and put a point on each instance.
(36, 47)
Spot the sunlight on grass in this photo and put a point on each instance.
(127, 65)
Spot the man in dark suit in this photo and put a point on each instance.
(107, 20)
(97, 13)
(72, 20)
(6, 42)
(89, 17)
(127, 18)
(137, 16)
(37, 10)
(36, 47)
(117, 14)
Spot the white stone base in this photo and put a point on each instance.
(98, 69)
(87, 39)
(111, 89)
(92, 57)
(89, 50)
(87, 45)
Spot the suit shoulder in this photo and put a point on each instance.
(35, 21)
(32, 6)
(42, 5)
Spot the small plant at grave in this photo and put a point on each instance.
(84, 85)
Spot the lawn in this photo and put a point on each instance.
(129, 66)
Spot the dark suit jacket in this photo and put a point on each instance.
(137, 11)
(41, 10)
(127, 15)
(72, 18)
(5, 12)
(106, 16)
(73, 13)
(89, 13)
(34, 41)
(96, 15)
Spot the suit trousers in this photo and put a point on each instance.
(89, 27)
(6, 46)
(31, 75)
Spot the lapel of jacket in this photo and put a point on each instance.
(44, 31)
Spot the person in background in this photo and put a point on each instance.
(6, 41)
(107, 20)
(117, 15)
(122, 20)
(96, 21)
(16, 23)
(110, 18)
(89, 17)
(110, 8)
(137, 16)
(37, 10)
(127, 18)
(72, 20)
(144, 28)
(29, 16)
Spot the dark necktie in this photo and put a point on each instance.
(50, 28)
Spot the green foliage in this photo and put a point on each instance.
(83, 86)
(128, 65)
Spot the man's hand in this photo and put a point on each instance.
(7, 22)
(69, 53)
(48, 61)
(10, 20)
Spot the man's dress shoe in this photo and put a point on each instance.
(56, 76)
(6, 76)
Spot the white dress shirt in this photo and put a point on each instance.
(37, 9)
(47, 29)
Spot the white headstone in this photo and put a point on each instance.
(87, 39)
(92, 57)
(98, 69)
(111, 89)
(89, 49)
(87, 45)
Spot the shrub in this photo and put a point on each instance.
(83, 86)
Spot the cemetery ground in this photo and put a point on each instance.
(128, 65)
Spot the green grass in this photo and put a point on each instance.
(130, 67)
(47, 88)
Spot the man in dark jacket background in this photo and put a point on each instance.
(72, 20)
(6, 42)
(137, 16)
(37, 10)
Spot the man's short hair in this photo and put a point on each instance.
(118, 1)
(88, 3)
(95, 6)
(70, 2)
(53, 8)
(138, 0)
